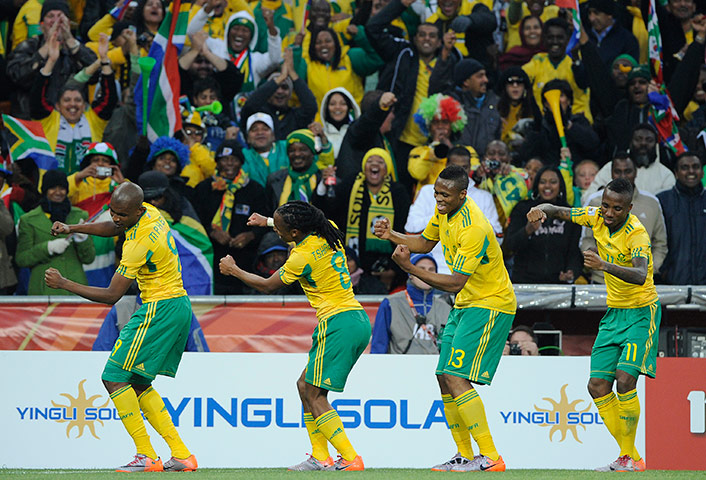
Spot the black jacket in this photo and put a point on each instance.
(617, 41)
(545, 143)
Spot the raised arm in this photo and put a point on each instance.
(102, 229)
(544, 210)
(448, 283)
(416, 243)
(637, 274)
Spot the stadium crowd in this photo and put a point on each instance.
(355, 107)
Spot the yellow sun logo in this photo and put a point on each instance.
(561, 411)
(76, 411)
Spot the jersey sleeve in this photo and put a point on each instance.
(585, 216)
(431, 232)
(135, 255)
(293, 268)
(474, 247)
(639, 244)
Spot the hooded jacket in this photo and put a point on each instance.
(335, 135)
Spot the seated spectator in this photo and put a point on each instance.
(645, 207)
(225, 203)
(363, 282)
(611, 38)
(584, 173)
(68, 126)
(516, 106)
(27, 58)
(218, 126)
(652, 176)
(264, 154)
(530, 31)
(684, 206)
(272, 253)
(410, 321)
(422, 210)
(338, 111)
(531, 167)
(441, 119)
(192, 134)
(38, 249)
(547, 252)
(521, 341)
(166, 155)
(273, 98)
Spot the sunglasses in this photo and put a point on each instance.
(193, 131)
(515, 81)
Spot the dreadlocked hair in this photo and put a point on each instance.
(308, 219)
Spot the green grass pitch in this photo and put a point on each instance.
(373, 473)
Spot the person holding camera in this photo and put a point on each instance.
(410, 321)
(521, 341)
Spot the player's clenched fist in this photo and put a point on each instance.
(401, 256)
(60, 228)
(536, 215)
(382, 228)
(256, 220)
(592, 260)
(227, 265)
(52, 277)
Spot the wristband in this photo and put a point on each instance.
(105, 63)
(270, 222)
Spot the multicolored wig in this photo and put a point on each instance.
(440, 107)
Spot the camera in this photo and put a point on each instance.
(421, 319)
(144, 39)
(515, 349)
(380, 265)
(441, 150)
(492, 164)
(104, 171)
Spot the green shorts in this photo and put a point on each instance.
(473, 342)
(151, 343)
(627, 340)
(337, 343)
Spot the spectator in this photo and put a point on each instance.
(608, 34)
(521, 341)
(338, 111)
(218, 126)
(214, 14)
(584, 173)
(272, 253)
(282, 18)
(473, 24)
(516, 107)
(411, 321)
(166, 155)
(652, 176)
(147, 17)
(264, 154)
(68, 126)
(225, 203)
(192, 134)
(518, 10)
(531, 167)
(684, 206)
(363, 282)
(38, 249)
(531, 44)
(547, 252)
(645, 207)
(8, 279)
(273, 98)
(28, 57)
(675, 23)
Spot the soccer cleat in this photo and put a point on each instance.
(481, 463)
(457, 460)
(142, 463)
(639, 465)
(181, 464)
(622, 464)
(312, 463)
(355, 465)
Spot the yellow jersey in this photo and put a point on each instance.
(323, 275)
(470, 247)
(619, 248)
(150, 255)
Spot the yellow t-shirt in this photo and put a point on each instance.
(150, 255)
(541, 70)
(323, 275)
(464, 9)
(411, 134)
(619, 248)
(470, 248)
(513, 29)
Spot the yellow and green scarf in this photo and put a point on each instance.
(299, 185)
(224, 213)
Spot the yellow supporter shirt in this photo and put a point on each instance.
(411, 134)
(464, 9)
(150, 255)
(323, 274)
(540, 70)
(513, 29)
(470, 248)
(619, 248)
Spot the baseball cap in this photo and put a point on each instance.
(259, 117)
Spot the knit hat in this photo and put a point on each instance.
(415, 257)
(303, 135)
(380, 152)
(605, 6)
(153, 184)
(168, 144)
(54, 178)
(244, 22)
(466, 68)
(230, 147)
(259, 117)
(99, 148)
(50, 5)
(641, 71)
(627, 57)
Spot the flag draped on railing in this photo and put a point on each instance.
(163, 117)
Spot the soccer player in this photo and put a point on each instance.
(153, 340)
(478, 325)
(343, 331)
(626, 345)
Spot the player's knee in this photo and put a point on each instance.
(625, 382)
(442, 384)
(597, 387)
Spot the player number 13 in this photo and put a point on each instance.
(458, 363)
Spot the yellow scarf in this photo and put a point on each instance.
(225, 211)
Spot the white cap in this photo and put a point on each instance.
(259, 117)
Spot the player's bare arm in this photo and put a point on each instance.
(546, 210)
(637, 274)
(102, 229)
(114, 292)
(416, 243)
(228, 266)
(448, 283)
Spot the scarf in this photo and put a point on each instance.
(57, 211)
(379, 206)
(243, 62)
(225, 210)
(72, 141)
(299, 185)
